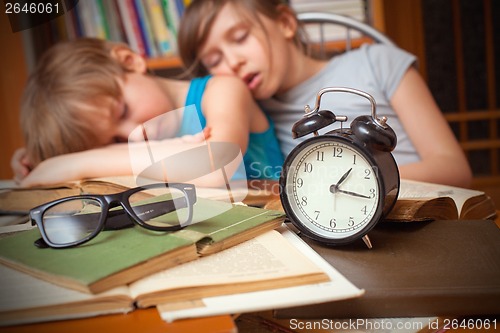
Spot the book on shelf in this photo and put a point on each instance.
(268, 261)
(131, 26)
(421, 201)
(118, 257)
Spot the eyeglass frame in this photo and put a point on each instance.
(108, 201)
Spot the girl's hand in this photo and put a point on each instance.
(198, 137)
(20, 164)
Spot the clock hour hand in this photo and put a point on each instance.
(341, 180)
(353, 194)
(334, 187)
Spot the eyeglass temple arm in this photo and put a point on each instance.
(155, 209)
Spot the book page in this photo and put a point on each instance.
(336, 289)
(410, 189)
(263, 258)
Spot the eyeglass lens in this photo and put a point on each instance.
(72, 220)
(75, 220)
(161, 207)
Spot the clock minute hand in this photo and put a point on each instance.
(353, 194)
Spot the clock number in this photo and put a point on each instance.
(333, 223)
(364, 209)
(337, 152)
(351, 221)
(317, 214)
(372, 193)
(308, 167)
(354, 159)
(367, 173)
(300, 182)
(304, 201)
(320, 156)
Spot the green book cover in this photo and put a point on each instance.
(119, 257)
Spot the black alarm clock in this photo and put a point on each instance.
(335, 187)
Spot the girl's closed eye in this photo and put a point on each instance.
(211, 60)
(240, 35)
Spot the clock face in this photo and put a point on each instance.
(332, 189)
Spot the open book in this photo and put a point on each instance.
(17, 201)
(118, 257)
(337, 288)
(14, 199)
(420, 201)
(265, 262)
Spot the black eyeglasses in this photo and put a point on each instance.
(74, 220)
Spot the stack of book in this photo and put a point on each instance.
(237, 251)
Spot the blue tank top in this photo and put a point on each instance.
(263, 158)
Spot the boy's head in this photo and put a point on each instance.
(203, 17)
(70, 98)
(63, 102)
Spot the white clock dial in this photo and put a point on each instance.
(332, 188)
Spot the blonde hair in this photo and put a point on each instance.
(60, 108)
(200, 15)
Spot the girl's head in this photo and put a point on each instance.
(252, 39)
(80, 96)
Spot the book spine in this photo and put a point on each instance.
(86, 19)
(171, 16)
(145, 28)
(77, 20)
(163, 36)
(131, 26)
(101, 20)
(179, 4)
(112, 17)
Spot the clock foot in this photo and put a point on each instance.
(367, 241)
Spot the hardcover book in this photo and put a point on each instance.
(265, 262)
(421, 201)
(119, 257)
(438, 268)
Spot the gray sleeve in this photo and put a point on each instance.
(388, 65)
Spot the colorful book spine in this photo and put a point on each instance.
(101, 20)
(172, 19)
(163, 36)
(145, 28)
(131, 26)
(113, 19)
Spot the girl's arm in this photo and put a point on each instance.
(442, 158)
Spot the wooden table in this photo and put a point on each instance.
(142, 320)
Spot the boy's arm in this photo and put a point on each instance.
(20, 164)
(111, 160)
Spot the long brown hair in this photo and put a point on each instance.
(201, 14)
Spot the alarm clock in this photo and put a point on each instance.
(335, 187)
